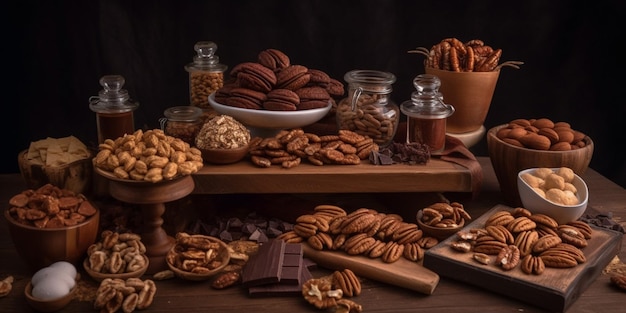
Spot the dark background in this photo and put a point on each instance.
(56, 51)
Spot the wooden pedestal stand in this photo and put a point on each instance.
(152, 198)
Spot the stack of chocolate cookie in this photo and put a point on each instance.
(273, 83)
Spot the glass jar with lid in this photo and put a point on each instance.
(206, 74)
(427, 113)
(368, 109)
(114, 109)
(182, 122)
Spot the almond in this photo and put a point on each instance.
(561, 146)
(550, 133)
(531, 128)
(543, 123)
(521, 122)
(578, 136)
(517, 133)
(535, 141)
(565, 135)
(503, 132)
(562, 124)
(513, 142)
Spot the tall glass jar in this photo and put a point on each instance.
(368, 109)
(206, 74)
(114, 109)
(182, 122)
(427, 113)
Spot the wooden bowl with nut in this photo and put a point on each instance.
(440, 232)
(224, 156)
(42, 237)
(100, 276)
(532, 143)
(116, 255)
(197, 257)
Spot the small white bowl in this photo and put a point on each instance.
(271, 119)
(563, 214)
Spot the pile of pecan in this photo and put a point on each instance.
(50, 207)
(289, 147)
(126, 295)
(148, 156)
(329, 292)
(361, 232)
(117, 253)
(451, 54)
(197, 254)
(531, 241)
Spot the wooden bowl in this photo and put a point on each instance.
(223, 256)
(75, 176)
(440, 233)
(224, 156)
(508, 160)
(563, 214)
(52, 305)
(40, 247)
(98, 276)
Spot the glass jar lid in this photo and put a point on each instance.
(426, 102)
(371, 81)
(186, 113)
(112, 98)
(205, 58)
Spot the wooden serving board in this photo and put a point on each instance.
(402, 273)
(555, 289)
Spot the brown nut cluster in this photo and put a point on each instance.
(196, 253)
(222, 132)
(149, 156)
(117, 253)
(445, 215)
(328, 292)
(126, 295)
(289, 147)
(254, 84)
(361, 232)
(555, 186)
(50, 207)
(531, 241)
(450, 54)
(202, 84)
(542, 134)
(6, 285)
(368, 118)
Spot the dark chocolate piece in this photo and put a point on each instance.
(292, 264)
(259, 236)
(280, 289)
(266, 266)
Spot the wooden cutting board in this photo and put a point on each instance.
(555, 289)
(402, 273)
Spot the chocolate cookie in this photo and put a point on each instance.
(273, 59)
(312, 98)
(281, 100)
(293, 77)
(255, 76)
(335, 88)
(246, 98)
(318, 78)
(224, 92)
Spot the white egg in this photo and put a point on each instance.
(49, 289)
(51, 273)
(66, 267)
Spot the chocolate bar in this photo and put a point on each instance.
(266, 266)
(279, 289)
(292, 264)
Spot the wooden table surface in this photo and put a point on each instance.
(449, 295)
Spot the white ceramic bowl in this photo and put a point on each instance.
(563, 214)
(271, 119)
